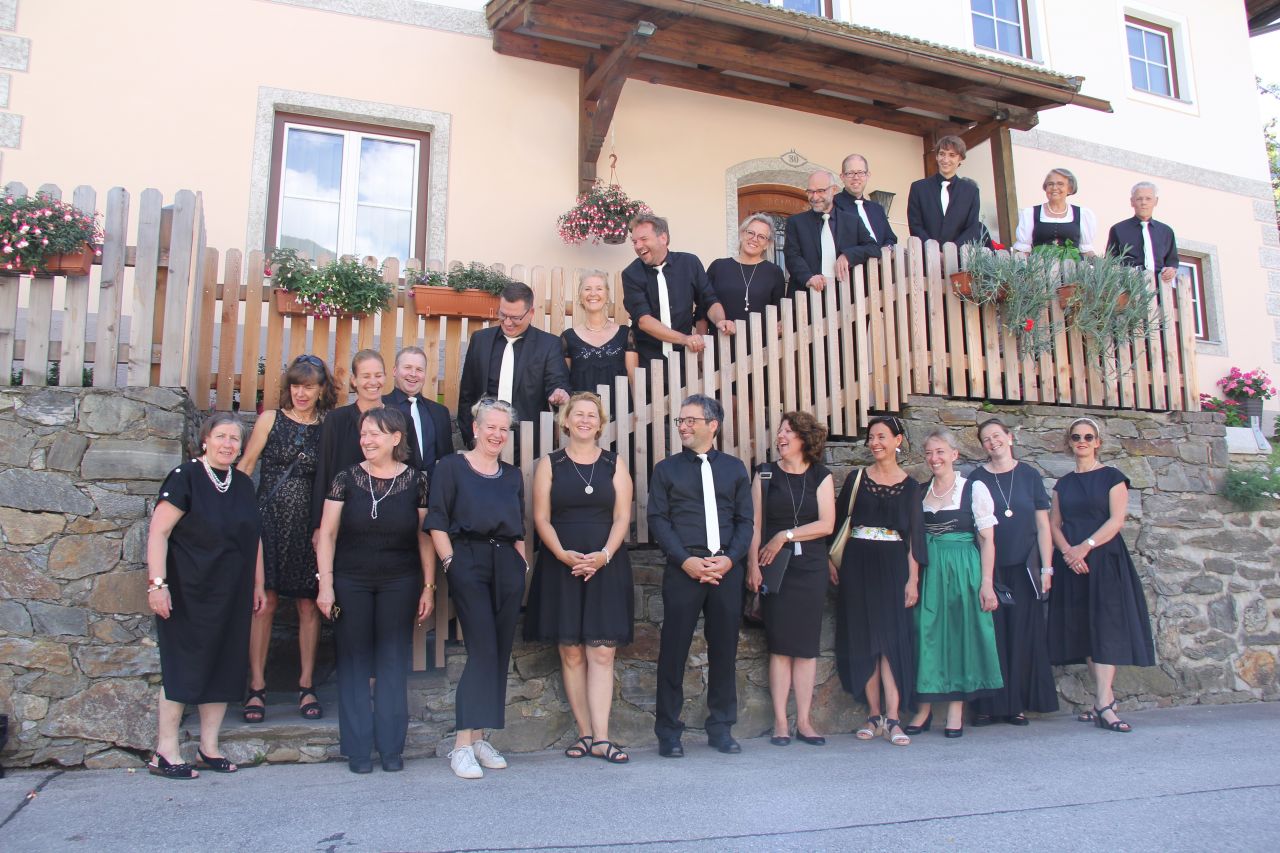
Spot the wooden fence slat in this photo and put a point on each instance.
(742, 396)
(846, 318)
(182, 247)
(839, 413)
(787, 359)
(1187, 347)
(643, 422)
(877, 376)
(453, 341)
(75, 314)
(1169, 332)
(805, 376)
(252, 346)
(858, 323)
(759, 428)
(1158, 388)
(963, 335)
(919, 318)
(902, 332)
(145, 278)
(388, 320)
(725, 393)
(1042, 381)
(39, 325)
(660, 425)
(431, 344)
(1075, 352)
(203, 367)
(230, 322)
(937, 317)
(1125, 354)
(8, 326)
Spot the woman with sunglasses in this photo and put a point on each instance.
(747, 282)
(1097, 612)
(287, 440)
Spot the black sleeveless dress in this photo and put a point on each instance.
(793, 615)
(568, 610)
(592, 366)
(287, 556)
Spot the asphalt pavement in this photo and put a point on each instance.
(1196, 778)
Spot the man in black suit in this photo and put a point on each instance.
(1142, 241)
(855, 171)
(430, 432)
(515, 362)
(944, 206)
(822, 242)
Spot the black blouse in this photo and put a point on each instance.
(468, 504)
(386, 546)
(746, 289)
(1022, 491)
(897, 507)
(339, 450)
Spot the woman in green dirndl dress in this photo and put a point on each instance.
(955, 634)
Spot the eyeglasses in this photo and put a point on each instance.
(858, 174)
(1088, 436)
(754, 235)
(822, 191)
(309, 359)
(678, 421)
(513, 318)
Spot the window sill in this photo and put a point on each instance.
(1178, 105)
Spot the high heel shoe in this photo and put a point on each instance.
(953, 733)
(1099, 719)
(913, 729)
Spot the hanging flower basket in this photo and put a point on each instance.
(600, 215)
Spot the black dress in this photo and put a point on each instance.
(287, 555)
(568, 610)
(592, 366)
(746, 288)
(793, 615)
(872, 620)
(1101, 614)
(1021, 640)
(213, 554)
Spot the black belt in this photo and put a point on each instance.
(491, 540)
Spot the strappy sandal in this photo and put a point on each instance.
(899, 739)
(870, 728)
(580, 748)
(161, 766)
(1100, 721)
(255, 713)
(217, 764)
(611, 754)
(1086, 717)
(311, 710)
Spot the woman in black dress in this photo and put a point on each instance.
(340, 433)
(378, 565)
(287, 440)
(1097, 612)
(746, 283)
(204, 561)
(581, 597)
(596, 348)
(878, 582)
(477, 524)
(795, 511)
(1024, 554)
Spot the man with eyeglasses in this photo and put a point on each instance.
(430, 433)
(853, 199)
(822, 242)
(513, 361)
(700, 514)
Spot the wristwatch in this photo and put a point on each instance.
(1092, 544)
(791, 535)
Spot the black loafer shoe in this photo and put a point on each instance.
(779, 740)
(670, 749)
(816, 740)
(392, 763)
(725, 744)
(360, 765)
(1019, 720)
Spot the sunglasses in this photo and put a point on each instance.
(1088, 436)
(309, 359)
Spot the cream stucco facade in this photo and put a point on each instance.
(181, 94)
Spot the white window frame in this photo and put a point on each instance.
(1026, 40)
(1179, 54)
(839, 10)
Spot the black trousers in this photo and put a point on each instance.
(486, 583)
(683, 601)
(374, 635)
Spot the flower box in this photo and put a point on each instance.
(962, 284)
(1065, 294)
(71, 263)
(439, 301)
(288, 303)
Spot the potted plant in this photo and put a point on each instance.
(601, 214)
(1022, 285)
(1247, 390)
(42, 236)
(341, 288)
(1110, 305)
(1230, 409)
(465, 291)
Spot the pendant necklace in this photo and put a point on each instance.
(1008, 509)
(373, 510)
(746, 283)
(795, 508)
(586, 479)
(221, 486)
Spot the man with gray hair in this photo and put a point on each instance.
(1142, 241)
(855, 172)
(701, 516)
(823, 242)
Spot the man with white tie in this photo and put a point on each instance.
(513, 361)
(665, 292)
(1142, 241)
(822, 242)
(855, 171)
(701, 516)
(944, 206)
(430, 433)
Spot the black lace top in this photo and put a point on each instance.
(385, 546)
(895, 507)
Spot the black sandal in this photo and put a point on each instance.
(580, 748)
(1086, 717)
(255, 713)
(611, 754)
(218, 765)
(1118, 726)
(161, 766)
(310, 710)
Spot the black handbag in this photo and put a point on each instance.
(1004, 594)
(753, 610)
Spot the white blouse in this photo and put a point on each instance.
(1026, 227)
(984, 506)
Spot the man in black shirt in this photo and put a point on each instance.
(665, 292)
(701, 516)
(1141, 241)
(430, 433)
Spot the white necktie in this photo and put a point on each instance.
(946, 196)
(417, 424)
(828, 248)
(664, 307)
(507, 372)
(1148, 254)
(862, 214)
(709, 506)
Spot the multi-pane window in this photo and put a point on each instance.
(1001, 25)
(821, 8)
(1193, 269)
(1152, 65)
(347, 189)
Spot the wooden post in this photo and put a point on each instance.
(1006, 189)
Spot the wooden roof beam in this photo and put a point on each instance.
(600, 84)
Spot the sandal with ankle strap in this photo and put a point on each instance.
(161, 766)
(218, 764)
(312, 710)
(255, 713)
(611, 754)
(870, 728)
(1118, 726)
(580, 748)
(899, 739)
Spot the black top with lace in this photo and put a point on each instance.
(386, 546)
(591, 366)
(287, 556)
(896, 507)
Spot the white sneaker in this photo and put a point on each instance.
(463, 762)
(488, 756)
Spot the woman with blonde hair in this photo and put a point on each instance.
(748, 281)
(597, 349)
(581, 597)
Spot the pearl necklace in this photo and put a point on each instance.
(222, 487)
(373, 509)
(945, 495)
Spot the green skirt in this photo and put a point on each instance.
(955, 639)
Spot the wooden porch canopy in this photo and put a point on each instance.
(770, 55)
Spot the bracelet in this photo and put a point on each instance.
(429, 586)
(157, 588)
(1047, 570)
(607, 555)
(157, 583)
(325, 575)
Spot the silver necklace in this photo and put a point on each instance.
(586, 479)
(1008, 508)
(795, 508)
(746, 282)
(221, 486)
(373, 510)
(587, 326)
